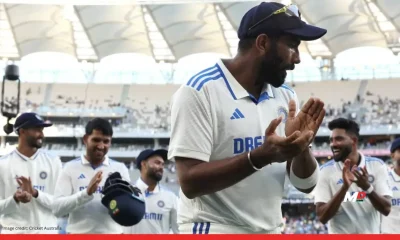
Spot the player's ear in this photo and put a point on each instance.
(85, 139)
(263, 43)
(143, 164)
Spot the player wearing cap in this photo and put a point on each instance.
(350, 172)
(27, 181)
(161, 204)
(79, 186)
(391, 223)
(232, 152)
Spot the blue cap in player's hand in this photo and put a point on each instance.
(125, 203)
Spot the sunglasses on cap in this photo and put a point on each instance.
(291, 10)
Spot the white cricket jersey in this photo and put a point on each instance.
(212, 118)
(391, 223)
(161, 211)
(35, 216)
(86, 214)
(353, 217)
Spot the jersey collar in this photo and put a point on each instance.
(22, 156)
(106, 161)
(236, 90)
(394, 175)
(143, 187)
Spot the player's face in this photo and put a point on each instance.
(283, 54)
(97, 145)
(155, 167)
(341, 144)
(396, 157)
(34, 137)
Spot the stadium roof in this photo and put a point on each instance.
(169, 31)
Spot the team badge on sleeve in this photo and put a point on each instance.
(283, 112)
(43, 175)
(161, 204)
(371, 178)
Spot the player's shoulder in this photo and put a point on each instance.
(200, 80)
(374, 161)
(327, 166)
(168, 192)
(48, 155)
(286, 90)
(6, 157)
(72, 164)
(116, 164)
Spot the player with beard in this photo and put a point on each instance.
(350, 172)
(391, 223)
(27, 181)
(80, 183)
(238, 133)
(161, 204)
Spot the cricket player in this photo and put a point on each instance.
(79, 186)
(237, 131)
(351, 172)
(391, 223)
(161, 204)
(27, 181)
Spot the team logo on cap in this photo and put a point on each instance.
(43, 175)
(161, 204)
(113, 204)
(38, 117)
(282, 112)
(371, 178)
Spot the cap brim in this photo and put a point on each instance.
(307, 32)
(44, 125)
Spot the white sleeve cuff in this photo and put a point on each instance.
(11, 205)
(304, 183)
(187, 153)
(83, 197)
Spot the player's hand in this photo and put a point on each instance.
(309, 118)
(26, 185)
(280, 149)
(22, 196)
(94, 183)
(347, 175)
(361, 179)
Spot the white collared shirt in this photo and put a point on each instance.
(35, 216)
(161, 211)
(213, 117)
(86, 213)
(391, 223)
(353, 217)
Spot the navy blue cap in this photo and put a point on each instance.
(30, 120)
(145, 154)
(277, 24)
(125, 203)
(395, 145)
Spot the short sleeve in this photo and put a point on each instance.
(382, 185)
(321, 192)
(191, 125)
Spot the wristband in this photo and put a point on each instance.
(370, 189)
(304, 183)
(251, 163)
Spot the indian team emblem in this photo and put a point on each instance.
(113, 204)
(282, 112)
(43, 175)
(161, 204)
(371, 178)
